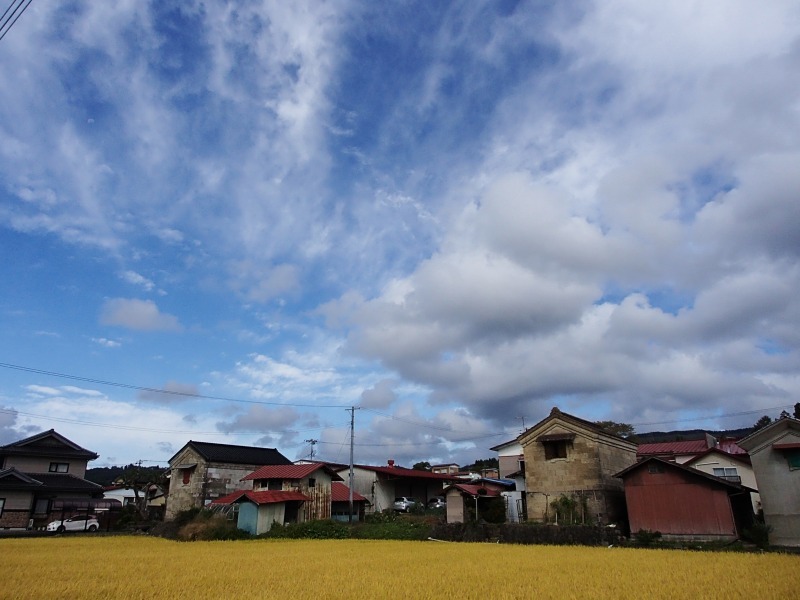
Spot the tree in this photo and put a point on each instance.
(762, 422)
(623, 430)
(140, 479)
(797, 411)
(784, 414)
(422, 466)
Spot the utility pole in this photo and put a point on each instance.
(312, 441)
(352, 410)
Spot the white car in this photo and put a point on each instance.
(77, 523)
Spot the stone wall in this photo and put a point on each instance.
(208, 481)
(585, 475)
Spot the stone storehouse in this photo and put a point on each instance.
(568, 456)
(201, 472)
(775, 454)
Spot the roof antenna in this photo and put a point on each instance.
(312, 441)
(521, 418)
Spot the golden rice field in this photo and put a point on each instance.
(141, 567)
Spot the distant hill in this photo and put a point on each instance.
(690, 434)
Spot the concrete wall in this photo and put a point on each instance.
(779, 487)
(456, 511)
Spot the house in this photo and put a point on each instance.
(775, 454)
(473, 501)
(732, 467)
(682, 451)
(382, 484)
(42, 478)
(448, 469)
(201, 472)
(313, 480)
(570, 457)
(128, 496)
(289, 494)
(255, 512)
(511, 465)
(340, 503)
(684, 503)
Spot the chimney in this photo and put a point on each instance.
(391, 462)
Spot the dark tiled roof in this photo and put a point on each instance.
(239, 455)
(341, 493)
(47, 443)
(290, 471)
(64, 482)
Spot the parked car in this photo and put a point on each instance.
(437, 502)
(405, 504)
(77, 523)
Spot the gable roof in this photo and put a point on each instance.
(556, 415)
(741, 457)
(290, 471)
(341, 493)
(47, 443)
(13, 478)
(691, 471)
(673, 448)
(262, 497)
(771, 433)
(238, 455)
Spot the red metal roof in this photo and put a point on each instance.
(682, 447)
(289, 471)
(341, 493)
(731, 447)
(745, 458)
(476, 490)
(262, 497)
(408, 473)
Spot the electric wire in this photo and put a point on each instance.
(3, 29)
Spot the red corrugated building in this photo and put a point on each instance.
(684, 503)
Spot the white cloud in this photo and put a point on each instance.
(107, 343)
(140, 315)
(135, 278)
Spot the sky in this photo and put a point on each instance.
(234, 221)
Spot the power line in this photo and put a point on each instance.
(141, 388)
(150, 429)
(709, 417)
(5, 27)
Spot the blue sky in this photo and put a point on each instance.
(451, 215)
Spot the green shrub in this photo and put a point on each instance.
(315, 530)
(758, 534)
(645, 537)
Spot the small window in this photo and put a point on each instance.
(312, 482)
(187, 476)
(274, 484)
(42, 506)
(56, 467)
(556, 449)
(521, 465)
(793, 458)
(655, 468)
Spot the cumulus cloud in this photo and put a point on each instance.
(135, 278)
(261, 419)
(381, 395)
(140, 315)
